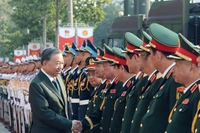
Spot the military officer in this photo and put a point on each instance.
(149, 88)
(163, 43)
(67, 64)
(85, 88)
(127, 78)
(104, 113)
(73, 100)
(98, 93)
(186, 73)
(133, 50)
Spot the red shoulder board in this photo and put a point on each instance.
(147, 88)
(113, 91)
(128, 84)
(161, 87)
(133, 87)
(123, 94)
(116, 81)
(141, 75)
(186, 101)
(193, 88)
(169, 74)
(180, 89)
(199, 87)
(153, 78)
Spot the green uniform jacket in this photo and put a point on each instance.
(105, 112)
(49, 108)
(95, 103)
(131, 104)
(196, 120)
(149, 91)
(156, 118)
(119, 107)
(183, 113)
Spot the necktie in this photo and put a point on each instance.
(57, 86)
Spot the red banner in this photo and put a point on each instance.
(34, 49)
(83, 34)
(18, 54)
(66, 36)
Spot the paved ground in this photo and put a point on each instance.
(3, 129)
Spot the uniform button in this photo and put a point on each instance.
(170, 121)
(196, 130)
(126, 107)
(104, 107)
(111, 97)
(109, 128)
(165, 131)
(199, 115)
(102, 118)
(132, 121)
(136, 109)
(141, 125)
(101, 128)
(122, 119)
(180, 110)
(154, 97)
(94, 105)
(148, 111)
(111, 119)
(142, 96)
(148, 107)
(174, 109)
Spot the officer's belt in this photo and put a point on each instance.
(83, 102)
(75, 100)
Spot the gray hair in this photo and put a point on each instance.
(48, 53)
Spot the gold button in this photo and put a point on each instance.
(111, 97)
(148, 111)
(154, 97)
(94, 105)
(111, 119)
(196, 130)
(170, 121)
(141, 125)
(122, 119)
(126, 107)
(174, 109)
(165, 131)
(199, 115)
(132, 121)
(142, 96)
(180, 110)
(136, 109)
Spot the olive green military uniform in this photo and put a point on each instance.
(183, 112)
(148, 91)
(156, 118)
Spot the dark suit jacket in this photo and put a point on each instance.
(49, 109)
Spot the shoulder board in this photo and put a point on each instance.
(199, 87)
(128, 84)
(169, 74)
(161, 87)
(194, 87)
(141, 75)
(153, 78)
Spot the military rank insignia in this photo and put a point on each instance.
(128, 84)
(161, 87)
(179, 92)
(123, 94)
(112, 91)
(186, 101)
(193, 88)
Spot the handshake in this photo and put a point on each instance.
(77, 126)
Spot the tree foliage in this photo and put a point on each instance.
(29, 14)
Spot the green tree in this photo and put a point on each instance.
(28, 14)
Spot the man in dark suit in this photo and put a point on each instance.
(47, 97)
